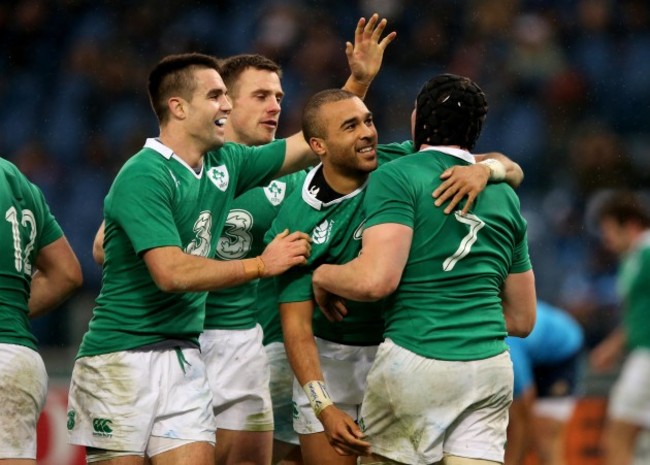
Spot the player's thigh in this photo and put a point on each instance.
(23, 389)
(316, 450)
(107, 457)
(195, 453)
(237, 447)
(238, 374)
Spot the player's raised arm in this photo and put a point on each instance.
(364, 58)
(366, 55)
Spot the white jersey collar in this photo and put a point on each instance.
(454, 152)
(157, 146)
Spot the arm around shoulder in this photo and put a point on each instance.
(519, 302)
(508, 171)
(376, 272)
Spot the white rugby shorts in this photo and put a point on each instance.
(238, 375)
(417, 409)
(345, 369)
(630, 397)
(281, 387)
(117, 401)
(23, 390)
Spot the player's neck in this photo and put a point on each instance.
(343, 183)
(183, 146)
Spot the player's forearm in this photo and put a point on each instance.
(299, 342)
(354, 281)
(58, 276)
(50, 290)
(298, 155)
(175, 271)
(514, 175)
(357, 87)
(519, 303)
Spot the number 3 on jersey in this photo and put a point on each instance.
(21, 257)
(237, 239)
(475, 224)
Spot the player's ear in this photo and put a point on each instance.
(176, 107)
(317, 146)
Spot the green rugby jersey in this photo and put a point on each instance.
(268, 315)
(243, 237)
(447, 305)
(335, 228)
(158, 200)
(27, 227)
(633, 286)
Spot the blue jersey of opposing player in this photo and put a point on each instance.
(548, 356)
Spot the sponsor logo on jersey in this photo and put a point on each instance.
(219, 177)
(200, 245)
(236, 239)
(102, 428)
(275, 192)
(358, 233)
(321, 233)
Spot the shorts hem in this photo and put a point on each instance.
(248, 428)
(390, 454)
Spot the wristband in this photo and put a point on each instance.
(497, 169)
(253, 267)
(318, 396)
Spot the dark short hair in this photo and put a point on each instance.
(624, 206)
(173, 75)
(232, 67)
(450, 110)
(312, 124)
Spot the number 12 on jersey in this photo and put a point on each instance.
(27, 220)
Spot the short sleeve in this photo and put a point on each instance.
(295, 285)
(520, 258)
(49, 230)
(260, 165)
(388, 199)
(141, 204)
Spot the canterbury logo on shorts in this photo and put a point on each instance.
(102, 427)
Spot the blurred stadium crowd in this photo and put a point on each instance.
(568, 82)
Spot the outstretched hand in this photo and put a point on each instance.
(461, 182)
(367, 53)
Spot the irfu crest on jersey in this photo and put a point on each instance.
(321, 233)
(219, 177)
(275, 192)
